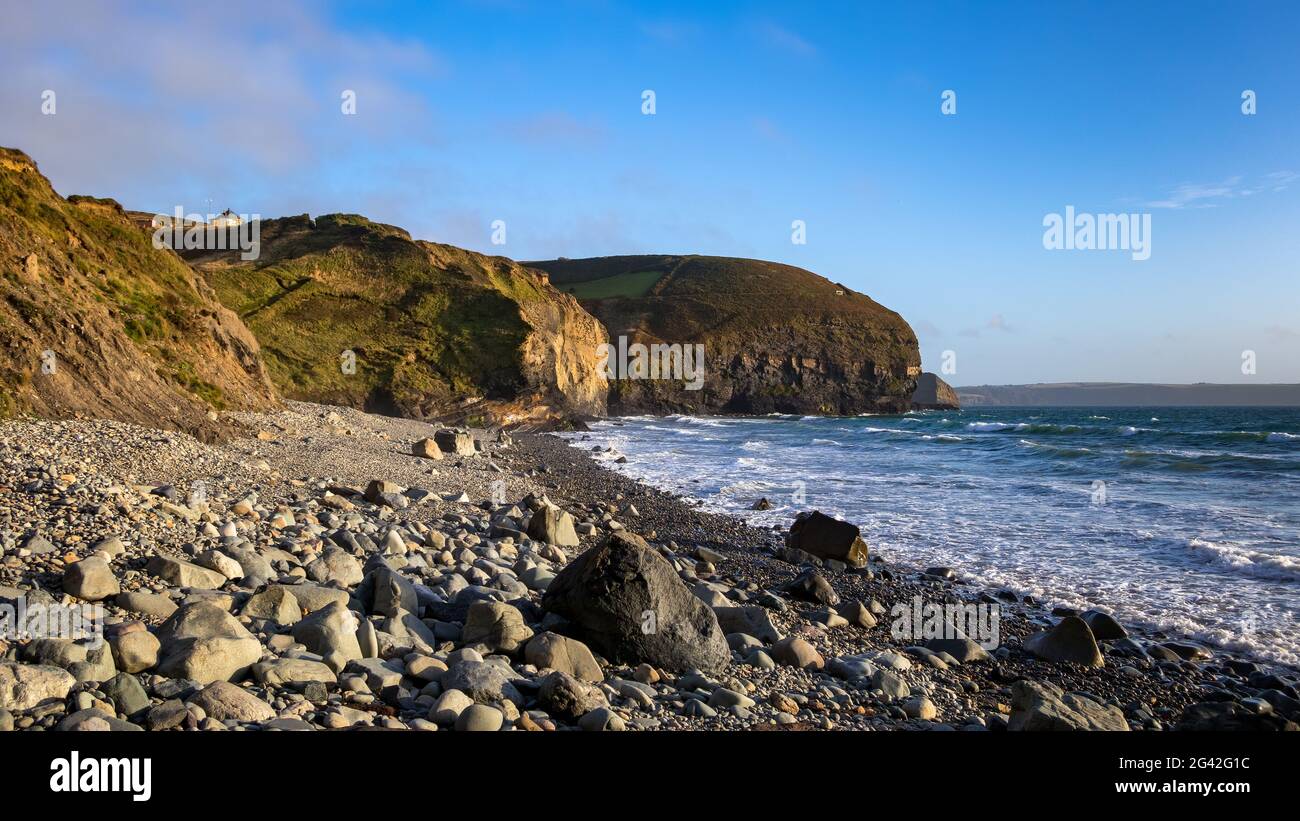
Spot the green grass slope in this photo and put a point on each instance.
(777, 338)
(436, 331)
(132, 332)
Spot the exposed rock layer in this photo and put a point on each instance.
(95, 321)
(356, 313)
(776, 338)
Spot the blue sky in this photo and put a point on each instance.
(469, 112)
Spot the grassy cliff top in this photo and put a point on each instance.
(687, 296)
(133, 332)
(431, 326)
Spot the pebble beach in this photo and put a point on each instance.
(332, 569)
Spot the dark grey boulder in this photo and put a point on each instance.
(1071, 640)
(827, 538)
(626, 602)
(750, 620)
(812, 586)
(1103, 625)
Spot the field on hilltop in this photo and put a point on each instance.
(777, 337)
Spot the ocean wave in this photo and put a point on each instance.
(1247, 562)
(826, 442)
(989, 426)
(702, 421)
(1179, 546)
(1057, 450)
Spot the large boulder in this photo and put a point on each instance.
(1103, 625)
(1042, 706)
(486, 682)
(226, 702)
(812, 586)
(180, 573)
(284, 672)
(565, 697)
(23, 686)
(385, 591)
(86, 660)
(135, 651)
(962, 649)
(91, 579)
(555, 652)
(204, 643)
(627, 602)
(330, 632)
(827, 538)
(313, 597)
(455, 442)
(796, 652)
(426, 449)
(751, 620)
(146, 604)
(553, 526)
(335, 565)
(496, 625)
(276, 603)
(1071, 640)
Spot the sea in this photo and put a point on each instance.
(1180, 520)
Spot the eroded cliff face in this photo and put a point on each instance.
(558, 357)
(932, 393)
(95, 321)
(356, 313)
(776, 339)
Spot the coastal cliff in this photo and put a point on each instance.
(932, 393)
(776, 339)
(96, 321)
(357, 313)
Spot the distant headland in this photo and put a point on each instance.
(1114, 394)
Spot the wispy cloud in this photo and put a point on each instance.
(997, 322)
(555, 127)
(266, 106)
(1211, 195)
(769, 130)
(783, 38)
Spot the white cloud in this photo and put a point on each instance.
(1210, 195)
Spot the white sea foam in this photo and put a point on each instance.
(1247, 562)
(1169, 550)
(989, 426)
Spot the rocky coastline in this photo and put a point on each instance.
(333, 569)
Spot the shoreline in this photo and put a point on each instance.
(975, 587)
(1157, 623)
(281, 494)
